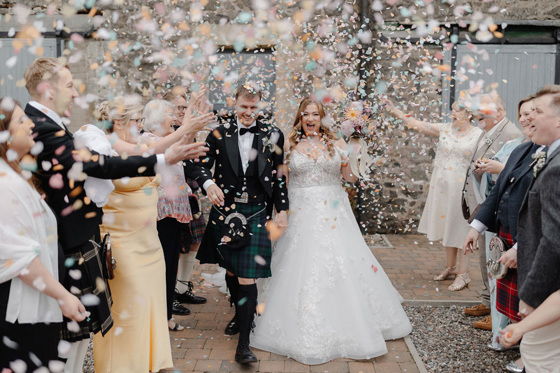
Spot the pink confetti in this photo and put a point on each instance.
(56, 181)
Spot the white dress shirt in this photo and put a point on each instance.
(555, 144)
(245, 145)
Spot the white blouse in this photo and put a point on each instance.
(27, 230)
(95, 139)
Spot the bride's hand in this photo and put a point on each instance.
(277, 227)
(281, 219)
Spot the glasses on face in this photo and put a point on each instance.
(137, 120)
(181, 108)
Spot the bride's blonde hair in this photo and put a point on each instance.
(297, 130)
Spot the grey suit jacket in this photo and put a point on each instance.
(538, 236)
(487, 147)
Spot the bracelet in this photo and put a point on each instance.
(344, 164)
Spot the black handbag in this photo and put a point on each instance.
(195, 206)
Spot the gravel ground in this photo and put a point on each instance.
(88, 361)
(447, 342)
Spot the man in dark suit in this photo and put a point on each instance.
(539, 234)
(248, 182)
(61, 173)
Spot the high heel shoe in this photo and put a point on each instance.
(514, 368)
(174, 326)
(461, 281)
(446, 273)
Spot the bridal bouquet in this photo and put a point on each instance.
(358, 118)
(357, 124)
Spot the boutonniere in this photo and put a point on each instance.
(538, 163)
(270, 140)
(487, 140)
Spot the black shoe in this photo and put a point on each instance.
(179, 309)
(245, 314)
(188, 296)
(244, 355)
(232, 327)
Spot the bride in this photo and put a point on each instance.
(328, 296)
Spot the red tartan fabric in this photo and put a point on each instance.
(197, 227)
(507, 298)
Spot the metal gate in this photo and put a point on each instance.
(517, 71)
(12, 69)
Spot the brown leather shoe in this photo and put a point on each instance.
(485, 323)
(478, 310)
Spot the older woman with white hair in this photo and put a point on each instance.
(173, 204)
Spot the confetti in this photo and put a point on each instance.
(260, 260)
(89, 300)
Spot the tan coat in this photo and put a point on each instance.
(487, 147)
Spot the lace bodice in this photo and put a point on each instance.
(306, 172)
(454, 152)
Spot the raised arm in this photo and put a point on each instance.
(197, 117)
(431, 129)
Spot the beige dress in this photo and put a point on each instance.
(442, 218)
(139, 340)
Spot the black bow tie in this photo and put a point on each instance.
(244, 130)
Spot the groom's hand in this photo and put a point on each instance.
(215, 195)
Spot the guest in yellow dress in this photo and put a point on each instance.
(139, 340)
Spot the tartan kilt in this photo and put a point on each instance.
(192, 232)
(241, 262)
(197, 227)
(507, 298)
(87, 262)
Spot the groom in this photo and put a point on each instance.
(248, 182)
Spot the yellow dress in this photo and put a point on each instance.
(139, 339)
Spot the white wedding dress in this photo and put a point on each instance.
(328, 297)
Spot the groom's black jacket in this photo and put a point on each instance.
(228, 174)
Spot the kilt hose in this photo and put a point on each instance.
(243, 262)
(507, 298)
